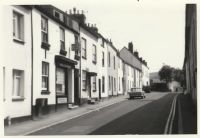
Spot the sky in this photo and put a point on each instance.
(155, 27)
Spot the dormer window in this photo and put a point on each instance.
(58, 15)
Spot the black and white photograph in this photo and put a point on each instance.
(99, 67)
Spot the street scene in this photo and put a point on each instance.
(99, 68)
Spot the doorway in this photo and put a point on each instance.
(76, 87)
(99, 88)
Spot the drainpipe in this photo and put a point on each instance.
(31, 64)
(80, 84)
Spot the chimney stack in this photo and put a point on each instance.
(130, 47)
(74, 9)
(136, 54)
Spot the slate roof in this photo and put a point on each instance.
(130, 59)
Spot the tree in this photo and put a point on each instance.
(166, 73)
(178, 75)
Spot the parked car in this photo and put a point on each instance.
(146, 89)
(136, 92)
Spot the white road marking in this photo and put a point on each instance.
(173, 115)
(169, 124)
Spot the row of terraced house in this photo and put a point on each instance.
(53, 59)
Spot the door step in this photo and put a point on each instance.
(91, 101)
(73, 106)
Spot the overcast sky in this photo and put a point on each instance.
(156, 27)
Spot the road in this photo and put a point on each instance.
(138, 116)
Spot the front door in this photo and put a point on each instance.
(99, 88)
(76, 86)
(89, 86)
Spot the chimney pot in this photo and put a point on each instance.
(74, 9)
(130, 47)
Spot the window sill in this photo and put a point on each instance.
(84, 57)
(63, 52)
(94, 62)
(61, 95)
(18, 41)
(44, 92)
(18, 99)
(45, 45)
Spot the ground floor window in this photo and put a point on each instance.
(45, 76)
(18, 83)
(84, 80)
(60, 81)
(94, 83)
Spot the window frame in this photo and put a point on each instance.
(62, 30)
(94, 54)
(84, 80)
(76, 41)
(84, 48)
(94, 83)
(61, 16)
(18, 26)
(20, 93)
(103, 84)
(103, 59)
(108, 58)
(43, 31)
(45, 90)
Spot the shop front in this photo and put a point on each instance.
(64, 81)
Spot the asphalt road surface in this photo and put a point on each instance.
(138, 116)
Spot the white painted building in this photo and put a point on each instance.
(132, 70)
(89, 67)
(145, 74)
(120, 73)
(102, 68)
(112, 69)
(54, 63)
(16, 61)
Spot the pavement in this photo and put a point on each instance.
(30, 126)
(186, 116)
